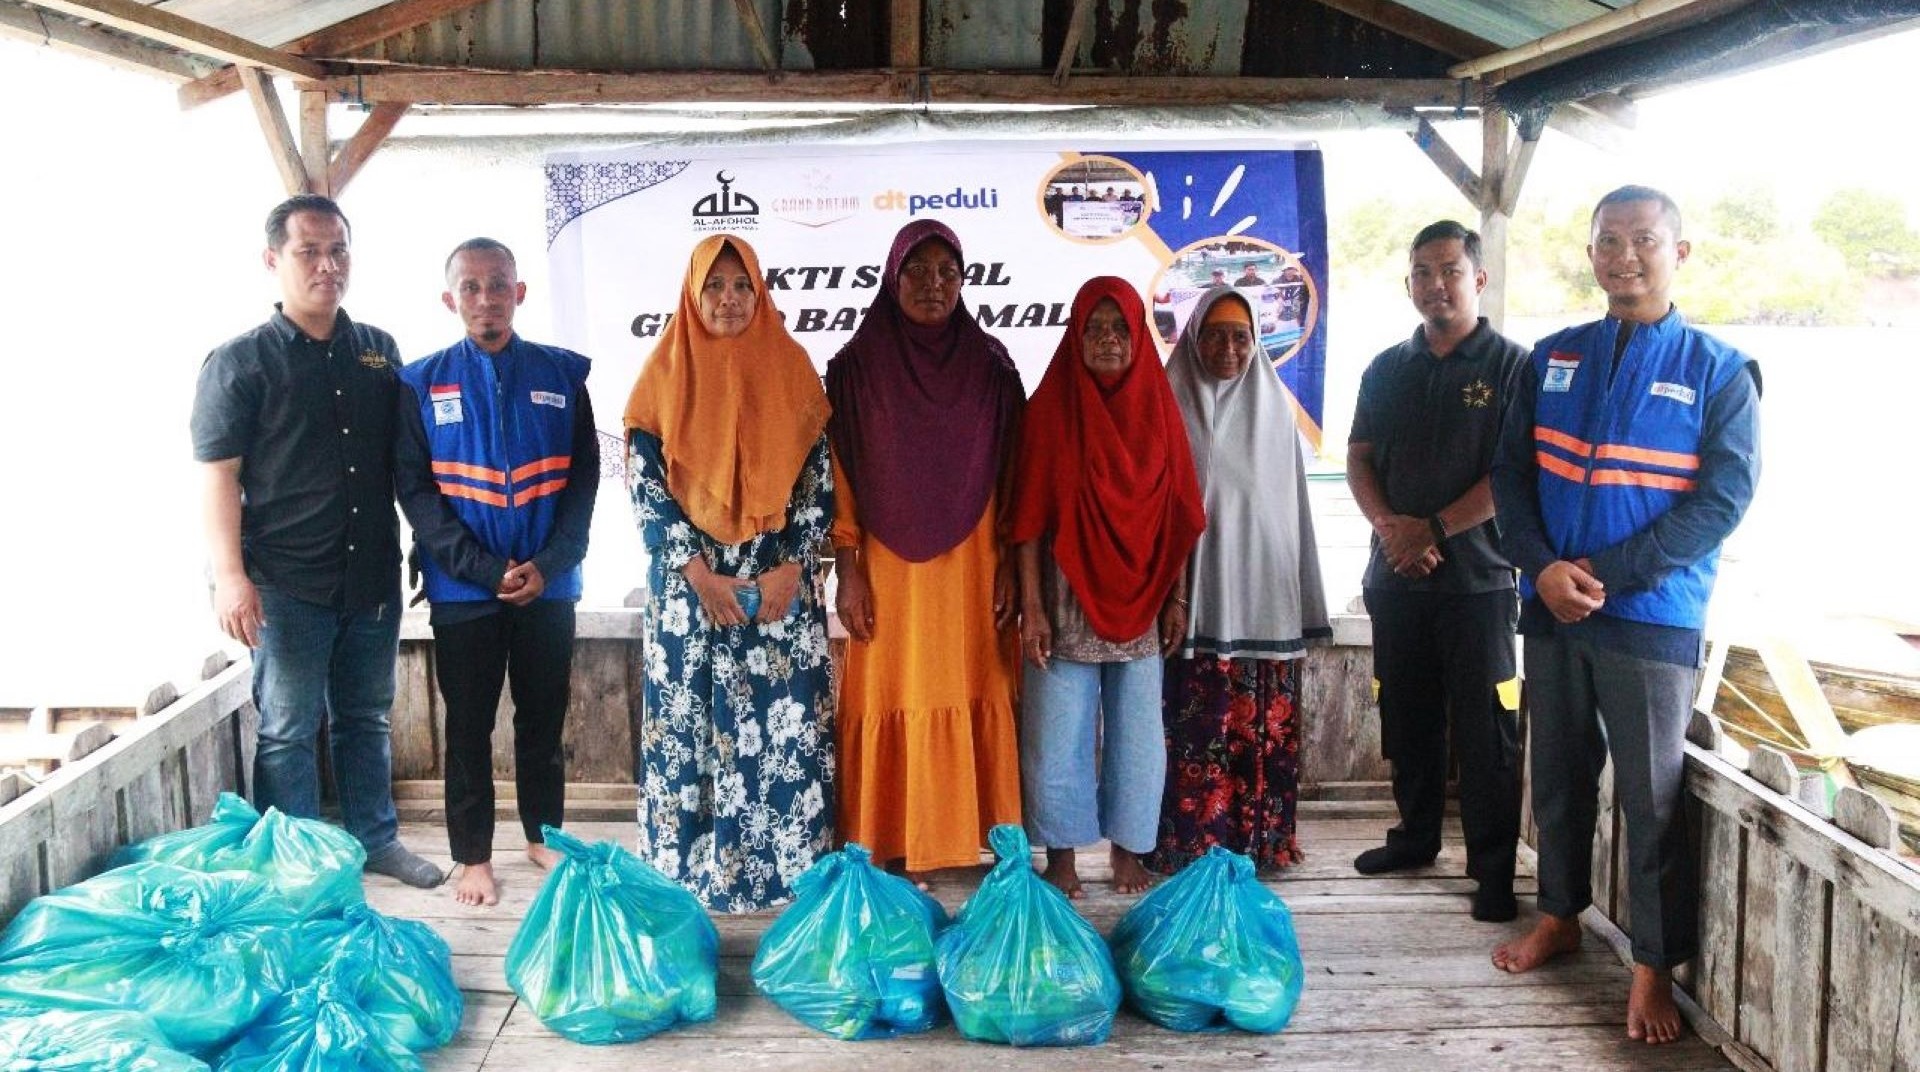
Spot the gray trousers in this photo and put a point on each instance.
(1586, 703)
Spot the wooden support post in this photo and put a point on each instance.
(903, 35)
(315, 152)
(374, 130)
(1494, 217)
(1070, 47)
(757, 33)
(273, 124)
(1455, 169)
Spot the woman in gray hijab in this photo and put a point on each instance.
(1233, 752)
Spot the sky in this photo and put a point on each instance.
(132, 246)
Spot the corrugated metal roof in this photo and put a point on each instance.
(1510, 24)
(602, 35)
(983, 34)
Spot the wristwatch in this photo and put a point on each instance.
(1439, 529)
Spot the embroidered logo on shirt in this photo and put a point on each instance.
(1560, 369)
(1679, 392)
(446, 403)
(549, 398)
(1477, 395)
(374, 359)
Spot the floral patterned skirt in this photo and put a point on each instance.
(1233, 761)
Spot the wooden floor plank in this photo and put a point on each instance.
(1397, 980)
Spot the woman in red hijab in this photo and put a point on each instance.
(1106, 511)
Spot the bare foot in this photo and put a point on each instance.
(1128, 875)
(1549, 938)
(476, 886)
(542, 857)
(1651, 1013)
(1062, 873)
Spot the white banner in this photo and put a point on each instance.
(1037, 220)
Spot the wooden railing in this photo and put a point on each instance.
(161, 771)
(1809, 926)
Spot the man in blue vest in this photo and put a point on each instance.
(292, 425)
(1629, 455)
(496, 462)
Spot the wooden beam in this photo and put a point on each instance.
(273, 124)
(354, 154)
(1070, 47)
(1599, 133)
(1455, 169)
(1514, 175)
(157, 24)
(903, 35)
(65, 35)
(1563, 44)
(580, 87)
(757, 33)
(1421, 29)
(377, 25)
(314, 147)
(337, 40)
(1494, 157)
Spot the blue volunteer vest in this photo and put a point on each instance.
(1613, 458)
(500, 433)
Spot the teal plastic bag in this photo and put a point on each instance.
(853, 955)
(315, 865)
(409, 990)
(201, 954)
(1019, 965)
(1211, 948)
(323, 1026)
(63, 1041)
(612, 950)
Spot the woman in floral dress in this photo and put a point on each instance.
(732, 488)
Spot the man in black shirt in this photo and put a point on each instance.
(292, 425)
(1439, 592)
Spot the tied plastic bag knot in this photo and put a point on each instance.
(406, 985)
(857, 853)
(1009, 842)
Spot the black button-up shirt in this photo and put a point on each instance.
(312, 425)
(1433, 423)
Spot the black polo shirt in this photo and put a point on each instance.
(312, 425)
(1433, 423)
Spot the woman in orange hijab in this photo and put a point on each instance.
(1105, 513)
(728, 470)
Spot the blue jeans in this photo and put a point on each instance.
(315, 660)
(1061, 761)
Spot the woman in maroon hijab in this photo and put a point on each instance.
(925, 408)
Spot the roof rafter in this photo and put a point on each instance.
(156, 24)
(580, 87)
(66, 35)
(335, 41)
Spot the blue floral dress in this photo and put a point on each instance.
(736, 745)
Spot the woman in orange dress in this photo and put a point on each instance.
(925, 408)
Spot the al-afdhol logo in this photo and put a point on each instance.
(726, 209)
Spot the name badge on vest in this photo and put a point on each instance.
(1679, 392)
(1560, 370)
(550, 398)
(446, 403)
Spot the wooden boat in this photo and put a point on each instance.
(1753, 712)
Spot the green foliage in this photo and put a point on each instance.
(1747, 213)
(1870, 230)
